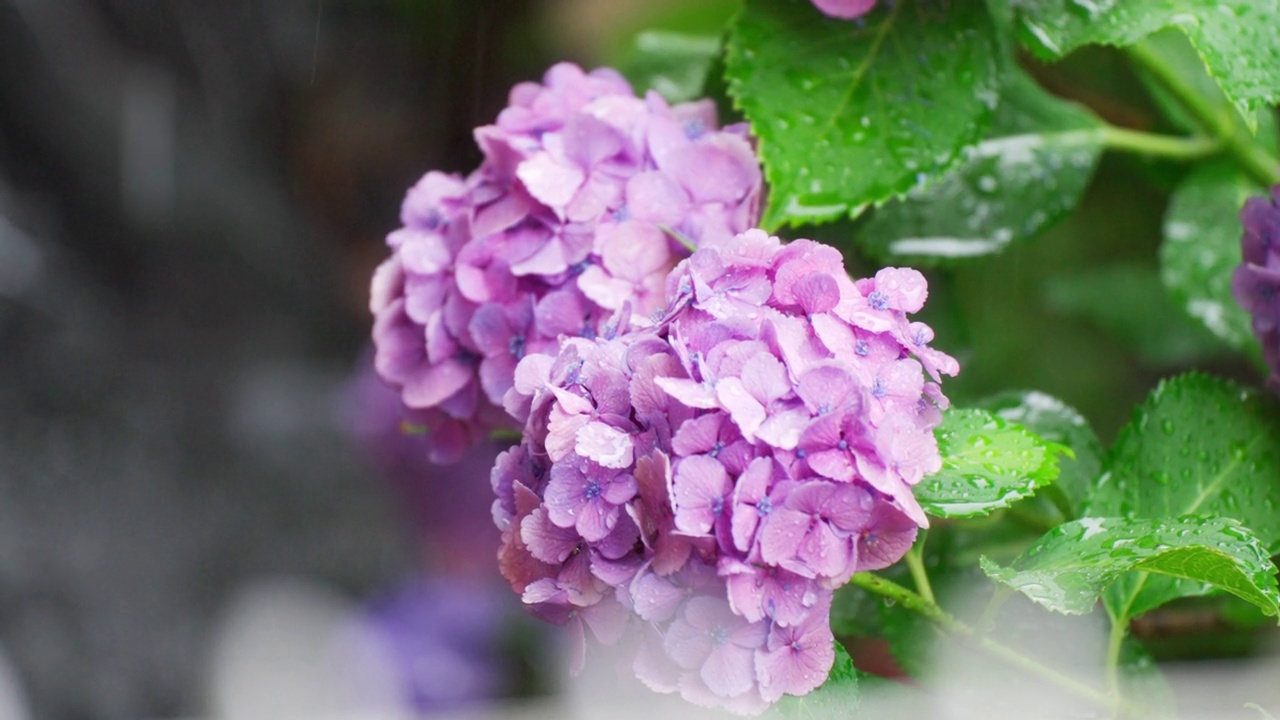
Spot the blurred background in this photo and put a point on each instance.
(206, 508)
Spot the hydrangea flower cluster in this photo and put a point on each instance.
(845, 9)
(1256, 283)
(707, 478)
(585, 200)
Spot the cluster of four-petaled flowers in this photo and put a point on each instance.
(712, 439)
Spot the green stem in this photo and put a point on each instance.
(998, 599)
(1119, 628)
(951, 624)
(1220, 122)
(915, 563)
(1166, 146)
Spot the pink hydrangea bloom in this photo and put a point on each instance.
(1256, 282)
(845, 9)
(720, 468)
(586, 199)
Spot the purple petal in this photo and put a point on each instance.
(606, 445)
(700, 487)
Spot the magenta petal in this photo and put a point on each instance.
(545, 540)
(594, 518)
(552, 183)
(816, 293)
(656, 198)
(781, 534)
(700, 487)
(690, 392)
(604, 444)
(845, 9)
(747, 412)
(434, 385)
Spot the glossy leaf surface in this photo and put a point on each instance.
(1202, 247)
(854, 113)
(988, 463)
(1069, 568)
(1237, 39)
(1029, 171)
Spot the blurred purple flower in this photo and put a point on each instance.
(582, 205)
(720, 468)
(442, 641)
(1256, 282)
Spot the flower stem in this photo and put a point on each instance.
(1220, 122)
(1166, 146)
(915, 563)
(1119, 628)
(954, 626)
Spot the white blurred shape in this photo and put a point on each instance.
(148, 136)
(21, 261)
(13, 701)
(285, 650)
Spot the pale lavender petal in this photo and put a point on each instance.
(606, 445)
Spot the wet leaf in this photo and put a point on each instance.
(1175, 50)
(988, 463)
(1236, 39)
(1029, 171)
(1057, 422)
(854, 113)
(1202, 247)
(1198, 445)
(1069, 568)
(674, 64)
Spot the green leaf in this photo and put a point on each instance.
(988, 463)
(1236, 39)
(1129, 303)
(1202, 247)
(1029, 171)
(1068, 569)
(1198, 445)
(674, 64)
(837, 697)
(1175, 50)
(1060, 423)
(854, 113)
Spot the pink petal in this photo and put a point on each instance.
(606, 445)
(551, 182)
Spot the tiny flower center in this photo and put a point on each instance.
(695, 129)
(719, 636)
(593, 490)
(878, 388)
(765, 506)
(878, 300)
(861, 349)
(516, 346)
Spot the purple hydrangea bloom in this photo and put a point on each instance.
(587, 197)
(721, 467)
(1256, 282)
(845, 9)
